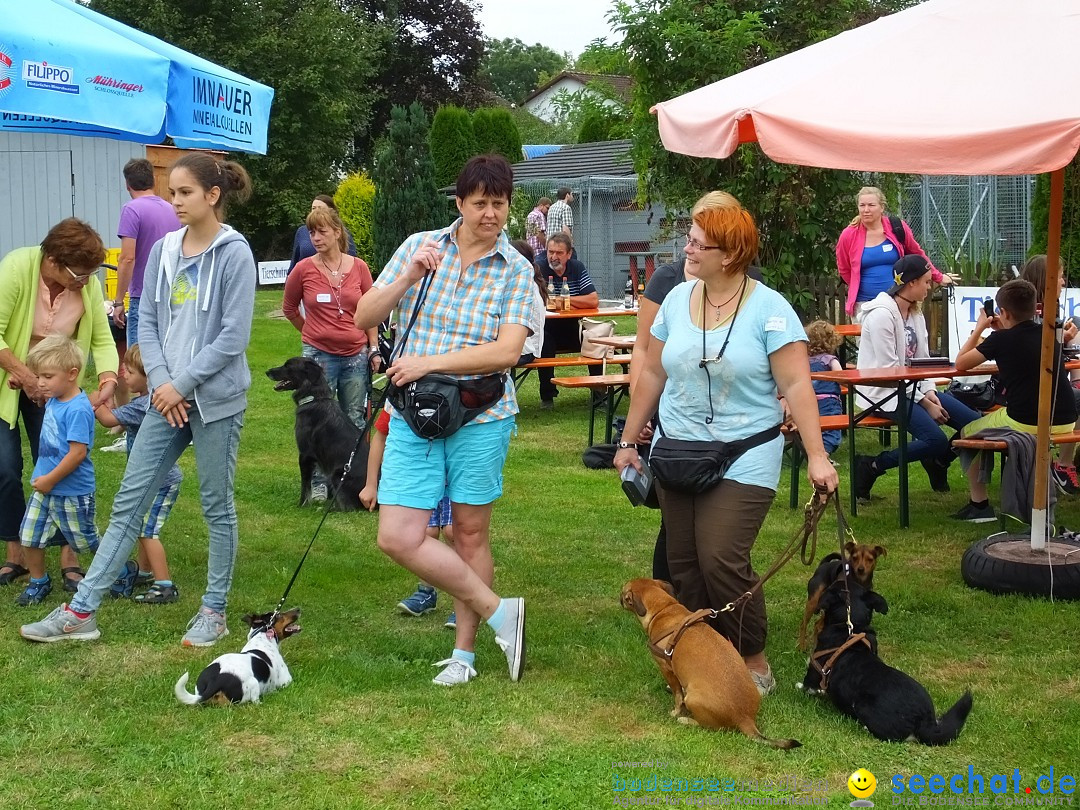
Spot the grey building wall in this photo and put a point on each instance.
(44, 178)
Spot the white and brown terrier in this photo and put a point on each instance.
(246, 676)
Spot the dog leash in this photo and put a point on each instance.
(330, 501)
(835, 652)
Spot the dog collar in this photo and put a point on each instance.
(304, 401)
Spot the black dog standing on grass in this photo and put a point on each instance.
(324, 434)
(891, 704)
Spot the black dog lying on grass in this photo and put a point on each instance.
(891, 704)
(324, 434)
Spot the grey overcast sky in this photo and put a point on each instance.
(562, 25)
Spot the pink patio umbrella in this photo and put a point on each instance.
(945, 87)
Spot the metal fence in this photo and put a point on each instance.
(975, 226)
(613, 235)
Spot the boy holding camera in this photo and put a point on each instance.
(1015, 344)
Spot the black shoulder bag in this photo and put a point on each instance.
(694, 467)
(437, 405)
(898, 232)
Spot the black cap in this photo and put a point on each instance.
(908, 268)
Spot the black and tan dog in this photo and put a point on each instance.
(246, 676)
(845, 665)
(861, 561)
(325, 436)
(707, 676)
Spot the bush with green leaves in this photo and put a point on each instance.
(453, 142)
(497, 132)
(407, 199)
(1070, 217)
(355, 201)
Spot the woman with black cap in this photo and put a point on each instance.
(893, 332)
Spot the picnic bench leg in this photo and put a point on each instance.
(592, 417)
(851, 449)
(902, 422)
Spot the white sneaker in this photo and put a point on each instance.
(511, 636)
(118, 446)
(456, 672)
(318, 493)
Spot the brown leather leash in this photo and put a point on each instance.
(657, 648)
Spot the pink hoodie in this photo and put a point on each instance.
(849, 248)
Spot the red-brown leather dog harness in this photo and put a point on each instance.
(666, 650)
(836, 652)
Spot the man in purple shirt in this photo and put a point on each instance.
(143, 221)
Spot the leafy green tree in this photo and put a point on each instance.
(355, 201)
(319, 60)
(407, 199)
(513, 69)
(496, 132)
(1070, 216)
(453, 142)
(595, 113)
(431, 55)
(800, 211)
(599, 57)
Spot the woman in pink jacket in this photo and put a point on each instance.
(868, 248)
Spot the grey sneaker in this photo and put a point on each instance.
(456, 672)
(318, 493)
(61, 625)
(765, 683)
(511, 636)
(205, 628)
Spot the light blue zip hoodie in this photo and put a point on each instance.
(217, 377)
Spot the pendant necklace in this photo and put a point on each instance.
(336, 277)
(718, 307)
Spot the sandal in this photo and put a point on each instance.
(159, 595)
(72, 585)
(14, 572)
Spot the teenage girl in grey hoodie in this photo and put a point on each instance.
(194, 327)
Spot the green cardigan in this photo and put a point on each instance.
(20, 274)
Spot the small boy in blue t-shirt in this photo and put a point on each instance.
(152, 565)
(63, 477)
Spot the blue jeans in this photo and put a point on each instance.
(930, 441)
(157, 447)
(830, 407)
(348, 378)
(132, 322)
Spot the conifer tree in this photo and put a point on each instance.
(452, 143)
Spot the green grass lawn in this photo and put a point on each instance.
(96, 724)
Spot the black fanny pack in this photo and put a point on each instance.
(696, 467)
(437, 405)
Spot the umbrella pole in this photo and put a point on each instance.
(1049, 341)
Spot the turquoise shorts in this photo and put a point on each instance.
(467, 466)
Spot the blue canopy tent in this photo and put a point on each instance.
(69, 70)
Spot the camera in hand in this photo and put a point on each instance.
(636, 484)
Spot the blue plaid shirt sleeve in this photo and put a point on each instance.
(517, 300)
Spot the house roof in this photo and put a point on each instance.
(620, 84)
(603, 159)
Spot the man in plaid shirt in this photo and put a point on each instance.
(473, 321)
(536, 226)
(560, 219)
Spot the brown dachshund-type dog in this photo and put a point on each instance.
(861, 561)
(707, 676)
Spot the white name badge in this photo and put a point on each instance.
(323, 298)
(886, 246)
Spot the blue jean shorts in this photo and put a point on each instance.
(467, 466)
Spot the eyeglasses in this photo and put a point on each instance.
(82, 279)
(696, 245)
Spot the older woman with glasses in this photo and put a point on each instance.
(723, 346)
(50, 289)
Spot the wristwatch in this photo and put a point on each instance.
(627, 445)
(119, 303)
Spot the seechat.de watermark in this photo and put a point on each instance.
(1050, 789)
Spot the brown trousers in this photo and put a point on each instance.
(709, 537)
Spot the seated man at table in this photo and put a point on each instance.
(893, 332)
(563, 334)
(1016, 346)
